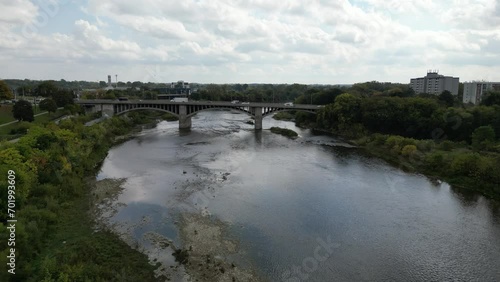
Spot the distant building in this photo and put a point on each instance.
(118, 88)
(474, 91)
(434, 83)
(179, 89)
(109, 80)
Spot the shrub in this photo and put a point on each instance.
(446, 145)
(409, 150)
(284, 132)
(379, 139)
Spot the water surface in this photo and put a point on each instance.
(285, 200)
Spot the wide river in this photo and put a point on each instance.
(309, 209)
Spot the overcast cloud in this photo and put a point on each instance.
(316, 41)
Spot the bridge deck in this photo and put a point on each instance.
(204, 103)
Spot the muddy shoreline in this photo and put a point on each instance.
(205, 247)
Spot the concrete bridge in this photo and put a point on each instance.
(185, 110)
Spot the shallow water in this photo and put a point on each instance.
(305, 209)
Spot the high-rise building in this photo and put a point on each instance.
(109, 80)
(434, 83)
(474, 91)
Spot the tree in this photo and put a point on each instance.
(347, 109)
(491, 98)
(447, 98)
(23, 111)
(46, 88)
(5, 92)
(62, 97)
(48, 105)
(482, 137)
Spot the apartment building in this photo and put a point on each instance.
(474, 91)
(434, 83)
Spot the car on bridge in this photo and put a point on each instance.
(245, 103)
(289, 104)
(235, 102)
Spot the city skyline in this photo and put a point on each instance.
(317, 42)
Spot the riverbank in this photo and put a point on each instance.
(447, 161)
(204, 248)
(80, 248)
(57, 238)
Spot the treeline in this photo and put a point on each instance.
(425, 134)
(27, 86)
(55, 240)
(300, 93)
(414, 117)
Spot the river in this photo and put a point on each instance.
(309, 209)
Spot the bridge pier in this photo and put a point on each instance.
(184, 120)
(258, 118)
(108, 110)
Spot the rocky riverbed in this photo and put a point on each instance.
(204, 249)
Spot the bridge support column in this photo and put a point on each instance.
(258, 118)
(107, 109)
(184, 120)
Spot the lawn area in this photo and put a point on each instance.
(5, 131)
(6, 114)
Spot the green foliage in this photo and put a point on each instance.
(5, 92)
(169, 117)
(284, 116)
(50, 164)
(347, 110)
(48, 105)
(63, 97)
(409, 150)
(284, 131)
(109, 95)
(491, 98)
(46, 88)
(73, 109)
(447, 98)
(21, 128)
(483, 137)
(23, 111)
(424, 133)
(446, 145)
(305, 119)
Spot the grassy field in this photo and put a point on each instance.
(6, 114)
(5, 131)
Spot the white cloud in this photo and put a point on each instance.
(235, 40)
(16, 12)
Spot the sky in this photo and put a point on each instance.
(254, 41)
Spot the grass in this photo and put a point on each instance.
(6, 114)
(5, 131)
(74, 242)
